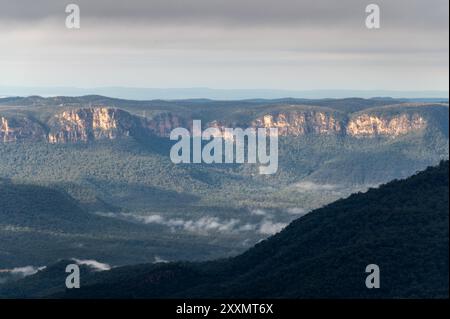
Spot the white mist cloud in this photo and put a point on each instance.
(211, 224)
(268, 227)
(98, 266)
(202, 225)
(258, 212)
(296, 211)
(19, 272)
(208, 224)
(157, 219)
(159, 260)
(26, 271)
(314, 187)
(248, 227)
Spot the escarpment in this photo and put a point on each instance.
(87, 124)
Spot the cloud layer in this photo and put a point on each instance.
(232, 13)
(226, 44)
(208, 225)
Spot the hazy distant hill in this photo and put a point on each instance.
(218, 94)
(401, 226)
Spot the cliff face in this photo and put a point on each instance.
(301, 123)
(366, 125)
(322, 123)
(162, 124)
(89, 124)
(98, 123)
(5, 131)
(20, 129)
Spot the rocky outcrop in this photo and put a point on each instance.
(17, 129)
(104, 123)
(83, 125)
(107, 123)
(366, 125)
(322, 123)
(6, 134)
(299, 123)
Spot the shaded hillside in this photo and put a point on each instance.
(401, 226)
(41, 207)
(39, 225)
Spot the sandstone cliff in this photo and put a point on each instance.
(101, 122)
(17, 129)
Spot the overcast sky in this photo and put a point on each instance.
(278, 44)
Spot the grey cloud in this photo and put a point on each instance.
(278, 44)
(407, 13)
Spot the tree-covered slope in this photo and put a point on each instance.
(39, 225)
(401, 226)
(37, 206)
(109, 160)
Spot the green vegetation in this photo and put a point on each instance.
(39, 225)
(402, 226)
(90, 193)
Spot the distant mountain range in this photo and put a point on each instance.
(402, 227)
(217, 94)
(83, 119)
